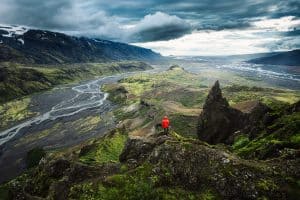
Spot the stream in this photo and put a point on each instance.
(60, 123)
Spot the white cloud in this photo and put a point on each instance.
(158, 19)
(280, 24)
(263, 36)
(226, 42)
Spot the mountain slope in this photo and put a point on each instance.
(24, 45)
(290, 58)
(17, 81)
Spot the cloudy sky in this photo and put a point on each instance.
(190, 27)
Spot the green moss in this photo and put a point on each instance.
(121, 115)
(14, 111)
(240, 142)
(285, 134)
(135, 185)
(85, 125)
(289, 123)
(296, 138)
(209, 194)
(267, 185)
(131, 186)
(184, 125)
(107, 149)
(179, 193)
(254, 146)
(237, 93)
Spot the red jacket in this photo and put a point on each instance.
(165, 123)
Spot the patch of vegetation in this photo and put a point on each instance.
(107, 149)
(239, 93)
(117, 94)
(240, 142)
(121, 115)
(14, 111)
(17, 81)
(34, 156)
(80, 126)
(267, 185)
(184, 125)
(134, 185)
(85, 125)
(163, 82)
(139, 184)
(209, 194)
(285, 134)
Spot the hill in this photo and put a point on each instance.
(23, 45)
(290, 58)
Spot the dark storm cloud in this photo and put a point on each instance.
(33, 12)
(292, 33)
(158, 27)
(103, 18)
(167, 32)
(220, 14)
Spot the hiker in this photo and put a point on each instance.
(165, 124)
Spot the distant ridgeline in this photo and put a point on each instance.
(290, 58)
(25, 45)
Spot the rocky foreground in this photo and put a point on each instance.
(249, 151)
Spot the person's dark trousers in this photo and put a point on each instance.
(166, 130)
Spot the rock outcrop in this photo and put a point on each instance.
(194, 165)
(219, 122)
(52, 179)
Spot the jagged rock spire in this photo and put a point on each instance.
(215, 92)
(215, 96)
(218, 120)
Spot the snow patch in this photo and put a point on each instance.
(13, 30)
(101, 41)
(21, 40)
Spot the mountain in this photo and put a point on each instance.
(24, 45)
(290, 58)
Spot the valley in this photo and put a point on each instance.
(54, 119)
(18, 80)
(150, 100)
(80, 115)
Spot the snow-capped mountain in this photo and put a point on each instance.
(24, 45)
